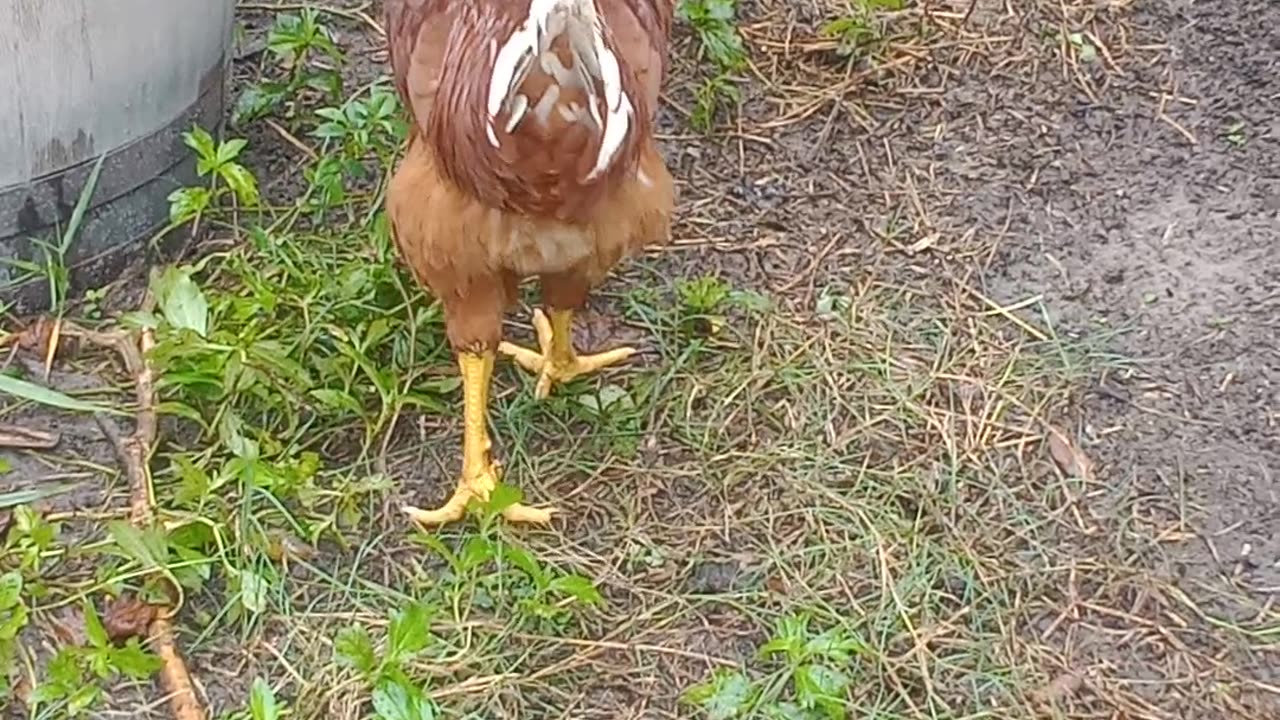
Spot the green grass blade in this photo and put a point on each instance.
(82, 206)
(26, 497)
(52, 398)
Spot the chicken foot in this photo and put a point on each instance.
(556, 361)
(479, 472)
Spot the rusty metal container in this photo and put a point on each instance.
(80, 79)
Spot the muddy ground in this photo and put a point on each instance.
(1136, 194)
(1167, 234)
(1111, 171)
(1153, 215)
(1119, 161)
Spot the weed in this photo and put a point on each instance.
(705, 303)
(1084, 47)
(263, 704)
(394, 695)
(53, 265)
(503, 574)
(809, 678)
(1236, 135)
(31, 539)
(364, 124)
(362, 127)
(91, 303)
(217, 161)
(861, 28)
(714, 23)
(13, 618)
(302, 46)
(714, 94)
(74, 677)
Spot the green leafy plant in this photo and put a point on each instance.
(13, 618)
(818, 663)
(263, 704)
(726, 695)
(219, 356)
(266, 358)
(304, 47)
(714, 22)
(395, 696)
(1084, 47)
(364, 126)
(31, 538)
(1236, 134)
(860, 29)
(217, 161)
(714, 94)
(809, 680)
(705, 302)
(496, 573)
(150, 550)
(73, 678)
(705, 294)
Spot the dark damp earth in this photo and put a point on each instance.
(960, 398)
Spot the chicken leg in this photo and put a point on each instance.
(479, 471)
(556, 361)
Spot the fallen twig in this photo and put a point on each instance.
(16, 436)
(134, 452)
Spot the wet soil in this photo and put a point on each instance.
(1134, 192)
(1173, 247)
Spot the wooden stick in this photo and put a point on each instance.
(134, 452)
(174, 677)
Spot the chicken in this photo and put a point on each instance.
(531, 155)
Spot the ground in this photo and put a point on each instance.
(958, 400)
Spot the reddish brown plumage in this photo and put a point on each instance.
(472, 219)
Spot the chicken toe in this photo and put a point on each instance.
(479, 487)
(555, 360)
(479, 473)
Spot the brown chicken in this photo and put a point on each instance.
(531, 154)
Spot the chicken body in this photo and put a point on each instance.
(530, 155)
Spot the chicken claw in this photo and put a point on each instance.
(479, 472)
(477, 486)
(555, 361)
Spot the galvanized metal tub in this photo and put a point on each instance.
(84, 78)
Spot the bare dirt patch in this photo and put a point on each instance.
(1152, 216)
(1173, 245)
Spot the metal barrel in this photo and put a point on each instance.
(80, 79)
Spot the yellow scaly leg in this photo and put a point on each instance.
(479, 472)
(555, 361)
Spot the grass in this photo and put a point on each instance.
(828, 496)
